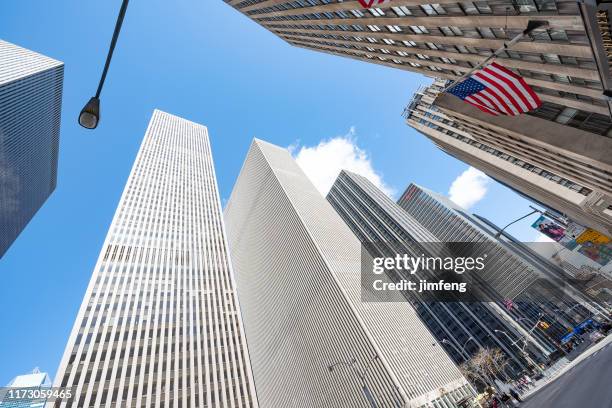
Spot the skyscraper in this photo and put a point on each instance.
(160, 323)
(559, 185)
(463, 328)
(565, 62)
(313, 342)
(30, 108)
(450, 222)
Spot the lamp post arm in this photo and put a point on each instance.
(111, 49)
(531, 25)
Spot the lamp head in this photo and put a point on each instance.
(90, 114)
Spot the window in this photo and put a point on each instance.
(401, 11)
(376, 12)
(551, 58)
(486, 32)
(566, 115)
(419, 29)
(433, 9)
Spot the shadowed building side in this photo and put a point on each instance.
(30, 112)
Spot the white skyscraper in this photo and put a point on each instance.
(313, 342)
(160, 323)
(30, 111)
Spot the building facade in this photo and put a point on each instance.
(462, 328)
(313, 342)
(565, 61)
(528, 172)
(160, 322)
(547, 297)
(30, 110)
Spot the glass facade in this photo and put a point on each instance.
(418, 219)
(30, 108)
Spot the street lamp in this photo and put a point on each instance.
(90, 114)
(461, 352)
(531, 26)
(501, 231)
(467, 341)
(523, 352)
(362, 376)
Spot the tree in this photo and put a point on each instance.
(485, 366)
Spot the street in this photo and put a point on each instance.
(586, 385)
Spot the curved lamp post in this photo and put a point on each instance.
(362, 376)
(90, 114)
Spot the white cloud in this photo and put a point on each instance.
(469, 188)
(323, 163)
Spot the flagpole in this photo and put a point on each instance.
(531, 25)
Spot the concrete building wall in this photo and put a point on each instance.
(160, 323)
(298, 275)
(537, 174)
(447, 39)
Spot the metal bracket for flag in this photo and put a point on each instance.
(531, 26)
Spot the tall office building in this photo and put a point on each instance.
(561, 308)
(531, 172)
(30, 108)
(313, 342)
(160, 324)
(463, 328)
(35, 381)
(566, 62)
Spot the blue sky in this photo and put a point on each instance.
(201, 60)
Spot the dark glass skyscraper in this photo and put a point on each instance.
(30, 107)
(462, 328)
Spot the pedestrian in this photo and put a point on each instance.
(515, 395)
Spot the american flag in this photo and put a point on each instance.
(370, 3)
(498, 91)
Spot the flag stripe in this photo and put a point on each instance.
(510, 87)
(488, 101)
(502, 93)
(481, 103)
(492, 101)
(500, 100)
(496, 90)
(522, 89)
(484, 108)
(481, 100)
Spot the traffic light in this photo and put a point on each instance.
(544, 325)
